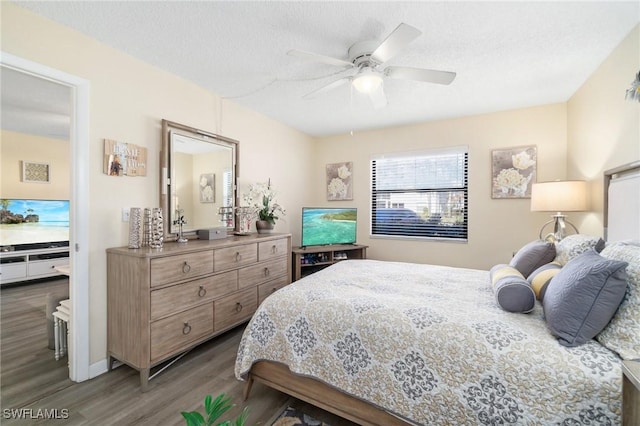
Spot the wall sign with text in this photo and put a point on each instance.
(124, 159)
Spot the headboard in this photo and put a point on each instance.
(622, 202)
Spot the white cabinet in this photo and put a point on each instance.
(27, 265)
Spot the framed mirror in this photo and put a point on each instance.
(199, 171)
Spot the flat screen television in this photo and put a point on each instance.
(326, 226)
(28, 224)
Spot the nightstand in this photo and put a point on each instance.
(630, 393)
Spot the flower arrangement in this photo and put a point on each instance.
(262, 197)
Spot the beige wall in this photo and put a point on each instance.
(18, 147)
(604, 129)
(496, 227)
(128, 99)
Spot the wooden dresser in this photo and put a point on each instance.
(162, 302)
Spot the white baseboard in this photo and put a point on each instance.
(98, 368)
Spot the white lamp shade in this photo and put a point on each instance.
(367, 81)
(559, 196)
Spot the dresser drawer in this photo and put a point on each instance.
(168, 300)
(267, 289)
(272, 249)
(234, 257)
(235, 308)
(165, 270)
(262, 272)
(178, 331)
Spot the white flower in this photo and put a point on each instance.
(510, 179)
(343, 172)
(522, 161)
(337, 188)
(262, 197)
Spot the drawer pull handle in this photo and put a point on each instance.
(202, 291)
(274, 249)
(238, 307)
(238, 257)
(186, 329)
(266, 272)
(186, 268)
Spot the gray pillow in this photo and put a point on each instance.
(513, 293)
(532, 256)
(583, 297)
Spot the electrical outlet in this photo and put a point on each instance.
(125, 214)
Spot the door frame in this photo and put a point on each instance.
(79, 343)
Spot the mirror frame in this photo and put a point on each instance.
(165, 171)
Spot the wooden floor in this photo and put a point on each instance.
(31, 379)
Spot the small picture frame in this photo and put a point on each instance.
(339, 181)
(513, 171)
(207, 188)
(36, 172)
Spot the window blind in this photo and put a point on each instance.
(420, 194)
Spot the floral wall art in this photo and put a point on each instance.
(339, 186)
(206, 188)
(513, 172)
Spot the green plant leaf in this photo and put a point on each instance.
(242, 418)
(193, 418)
(207, 403)
(220, 405)
(214, 408)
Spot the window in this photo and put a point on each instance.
(420, 194)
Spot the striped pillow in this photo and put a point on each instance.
(513, 293)
(541, 277)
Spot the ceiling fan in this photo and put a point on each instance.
(366, 62)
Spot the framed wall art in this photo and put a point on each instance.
(36, 172)
(339, 181)
(124, 159)
(513, 171)
(207, 188)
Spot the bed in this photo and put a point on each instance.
(397, 343)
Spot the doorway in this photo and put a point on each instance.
(78, 344)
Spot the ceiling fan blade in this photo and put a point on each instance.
(378, 98)
(315, 57)
(399, 38)
(328, 87)
(420, 74)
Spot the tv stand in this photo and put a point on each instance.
(310, 259)
(25, 265)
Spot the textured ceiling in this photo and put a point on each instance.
(506, 54)
(34, 105)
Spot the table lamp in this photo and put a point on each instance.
(559, 196)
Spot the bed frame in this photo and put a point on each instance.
(315, 392)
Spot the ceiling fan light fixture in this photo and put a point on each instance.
(367, 81)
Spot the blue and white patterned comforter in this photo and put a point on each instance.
(430, 344)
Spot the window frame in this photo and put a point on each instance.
(418, 228)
